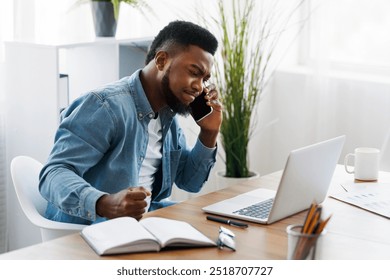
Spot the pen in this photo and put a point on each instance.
(228, 222)
(344, 188)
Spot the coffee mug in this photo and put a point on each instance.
(366, 163)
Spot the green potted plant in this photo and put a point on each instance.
(106, 13)
(247, 44)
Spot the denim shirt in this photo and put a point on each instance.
(99, 148)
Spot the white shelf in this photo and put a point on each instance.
(142, 42)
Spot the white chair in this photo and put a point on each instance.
(25, 176)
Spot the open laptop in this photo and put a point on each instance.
(306, 178)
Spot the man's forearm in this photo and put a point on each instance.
(208, 138)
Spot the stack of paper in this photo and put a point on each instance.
(374, 197)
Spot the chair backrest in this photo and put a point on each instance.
(25, 176)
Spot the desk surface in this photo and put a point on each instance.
(353, 233)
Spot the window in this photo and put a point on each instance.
(6, 24)
(351, 34)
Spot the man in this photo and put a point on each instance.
(119, 149)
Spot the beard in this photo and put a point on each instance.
(172, 101)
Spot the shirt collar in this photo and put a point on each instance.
(144, 109)
(140, 100)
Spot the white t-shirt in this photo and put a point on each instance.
(152, 158)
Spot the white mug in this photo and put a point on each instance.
(366, 164)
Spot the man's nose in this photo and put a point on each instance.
(198, 86)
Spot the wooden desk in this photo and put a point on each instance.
(352, 233)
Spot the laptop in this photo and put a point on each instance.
(306, 178)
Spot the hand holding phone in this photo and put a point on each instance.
(199, 108)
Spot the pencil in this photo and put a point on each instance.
(309, 215)
(322, 225)
(314, 222)
(313, 226)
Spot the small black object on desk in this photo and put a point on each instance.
(228, 222)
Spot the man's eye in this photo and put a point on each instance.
(194, 73)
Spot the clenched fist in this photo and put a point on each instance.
(128, 202)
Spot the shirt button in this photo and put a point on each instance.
(140, 115)
(151, 116)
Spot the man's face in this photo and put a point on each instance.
(173, 102)
(184, 78)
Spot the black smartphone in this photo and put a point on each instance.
(199, 108)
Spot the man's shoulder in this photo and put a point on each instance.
(117, 97)
(113, 89)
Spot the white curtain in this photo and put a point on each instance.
(3, 188)
(5, 32)
(350, 61)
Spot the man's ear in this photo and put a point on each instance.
(161, 59)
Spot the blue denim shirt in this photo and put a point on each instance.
(99, 148)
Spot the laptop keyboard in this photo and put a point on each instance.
(258, 210)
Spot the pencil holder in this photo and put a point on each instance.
(303, 246)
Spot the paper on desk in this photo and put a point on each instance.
(373, 197)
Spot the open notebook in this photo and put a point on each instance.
(306, 177)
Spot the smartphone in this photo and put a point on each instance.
(199, 108)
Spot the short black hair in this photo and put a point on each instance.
(182, 33)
